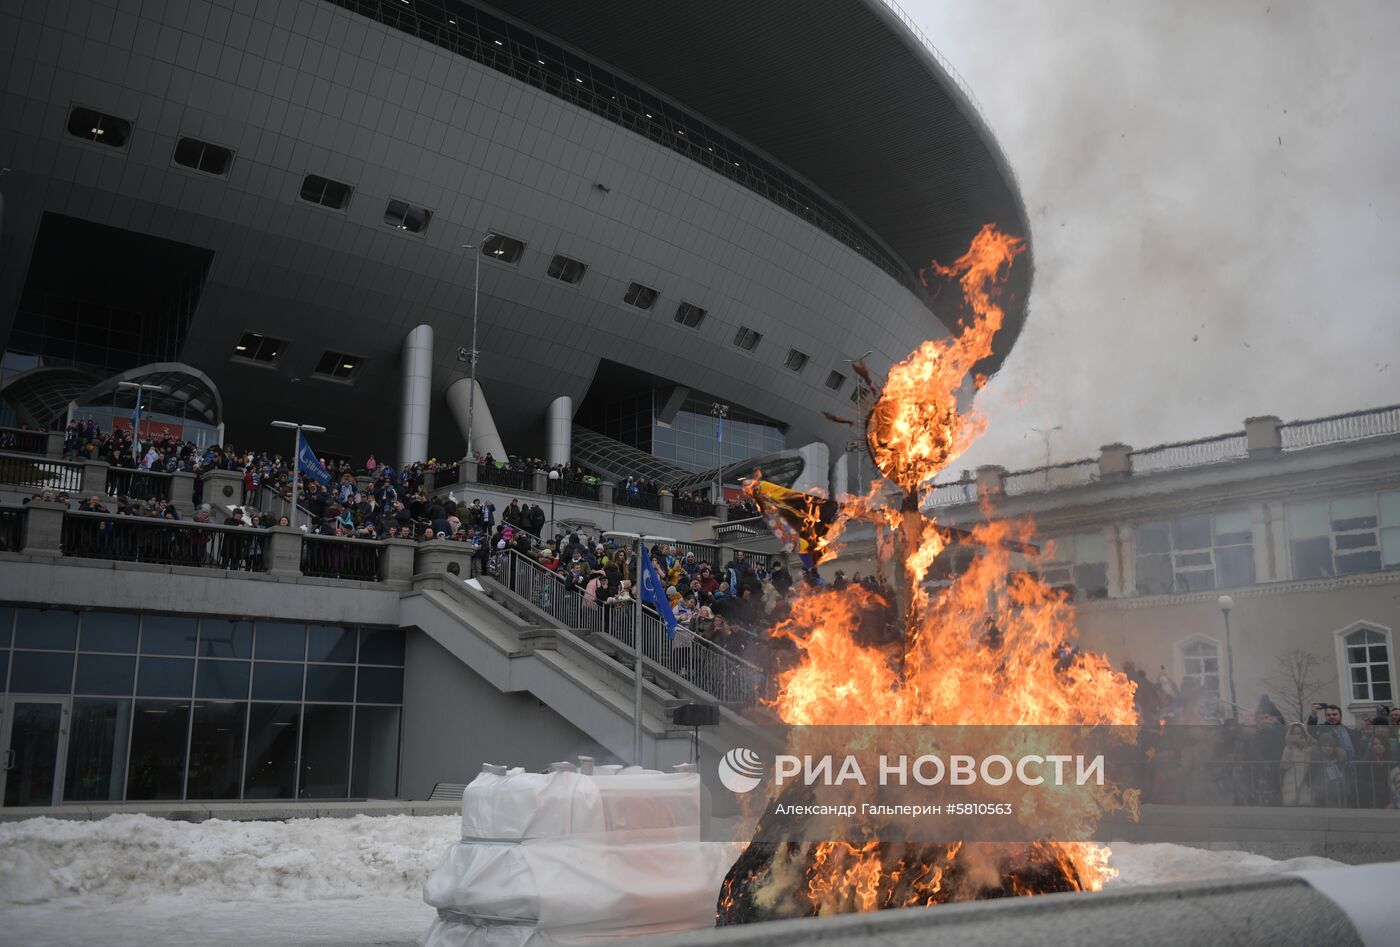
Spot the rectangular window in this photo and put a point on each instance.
(1368, 665)
(502, 248)
(216, 749)
(271, 769)
(410, 218)
(97, 741)
(795, 361)
(338, 365)
(747, 339)
(158, 735)
(1196, 553)
(325, 751)
(690, 315)
(92, 125)
(834, 380)
(259, 348)
(1345, 535)
(643, 297)
(1200, 665)
(325, 192)
(1081, 560)
(203, 157)
(566, 270)
(110, 631)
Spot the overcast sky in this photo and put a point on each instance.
(1214, 192)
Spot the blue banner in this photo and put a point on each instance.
(308, 463)
(654, 594)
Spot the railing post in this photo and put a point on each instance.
(53, 446)
(668, 504)
(1115, 461)
(95, 478)
(539, 481)
(223, 488)
(466, 471)
(43, 529)
(182, 491)
(432, 557)
(1262, 436)
(397, 563)
(605, 492)
(991, 479)
(284, 551)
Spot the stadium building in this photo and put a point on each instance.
(640, 215)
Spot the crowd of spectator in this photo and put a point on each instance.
(1261, 758)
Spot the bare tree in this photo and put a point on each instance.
(1297, 680)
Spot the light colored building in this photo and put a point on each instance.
(1296, 525)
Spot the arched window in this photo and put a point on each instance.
(1200, 665)
(1367, 653)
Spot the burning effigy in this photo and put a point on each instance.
(992, 647)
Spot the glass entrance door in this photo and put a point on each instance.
(35, 730)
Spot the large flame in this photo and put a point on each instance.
(994, 647)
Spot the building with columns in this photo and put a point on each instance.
(1293, 527)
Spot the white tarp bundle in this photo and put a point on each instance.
(570, 858)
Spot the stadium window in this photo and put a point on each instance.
(325, 192)
(257, 347)
(689, 315)
(856, 392)
(501, 248)
(566, 270)
(203, 157)
(338, 365)
(643, 297)
(834, 380)
(92, 125)
(747, 339)
(795, 361)
(402, 215)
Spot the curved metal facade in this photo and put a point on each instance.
(302, 87)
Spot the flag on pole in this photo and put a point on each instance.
(309, 464)
(799, 520)
(654, 594)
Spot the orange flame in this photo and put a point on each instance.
(994, 647)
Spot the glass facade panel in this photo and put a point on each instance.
(277, 681)
(164, 677)
(227, 680)
(225, 639)
(112, 674)
(41, 672)
(380, 686)
(7, 625)
(272, 751)
(381, 646)
(281, 641)
(328, 682)
(110, 631)
(330, 644)
(50, 629)
(168, 634)
(325, 751)
(97, 738)
(159, 731)
(216, 749)
(376, 774)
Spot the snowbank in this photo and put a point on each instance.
(132, 857)
(1162, 863)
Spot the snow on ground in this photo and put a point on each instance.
(135, 881)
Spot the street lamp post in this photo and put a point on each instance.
(1045, 433)
(720, 411)
(636, 540)
(1227, 603)
(296, 458)
(476, 309)
(140, 387)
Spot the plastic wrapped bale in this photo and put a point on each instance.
(570, 857)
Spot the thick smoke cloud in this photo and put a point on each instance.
(1213, 196)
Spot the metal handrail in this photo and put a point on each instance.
(30, 470)
(137, 482)
(1336, 428)
(24, 440)
(167, 542)
(339, 557)
(707, 666)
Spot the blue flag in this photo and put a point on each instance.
(654, 594)
(309, 464)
